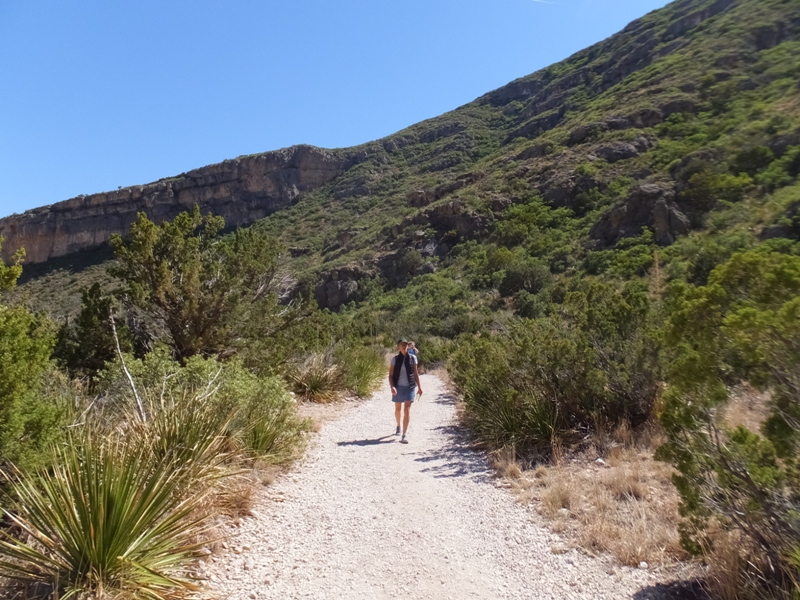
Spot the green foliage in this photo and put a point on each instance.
(751, 161)
(707, 187)
(199, 396)
(744, 324)
(107, 518)
(362, 367)
(27, 421)
(84, 345)
(200, 288)
(593, 363)
(10, 273)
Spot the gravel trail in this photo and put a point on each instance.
(365, 517)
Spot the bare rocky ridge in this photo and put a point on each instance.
(365, 517)
(242, 190)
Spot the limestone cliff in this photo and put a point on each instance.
(242, 190)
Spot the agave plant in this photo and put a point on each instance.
(107, 519)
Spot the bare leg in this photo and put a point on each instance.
(397, 412)
(406, 416)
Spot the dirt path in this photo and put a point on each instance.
(365, 517)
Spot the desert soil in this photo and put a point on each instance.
(365, 517)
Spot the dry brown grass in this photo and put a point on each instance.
(624, 503)
(747, 407)
(628, 509)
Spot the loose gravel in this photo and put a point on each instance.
(365, 517)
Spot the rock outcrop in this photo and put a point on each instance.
(650, 205)
(242, 190)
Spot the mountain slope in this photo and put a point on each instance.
(673, 125)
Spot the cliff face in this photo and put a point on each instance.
(242, 190)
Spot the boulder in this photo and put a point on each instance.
(584, 133)
(617, 151)
(650, 205)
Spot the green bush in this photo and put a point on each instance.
(85, 344)
(362, 367)
(591, 364)
(752, 160)
(194, 398)
(204, 290)
(28, 421)
(744, 324)
(317, 378)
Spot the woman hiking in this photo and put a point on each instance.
(404, 382)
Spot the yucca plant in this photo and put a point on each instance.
(316, 378)
(190, 432)
(107, 519)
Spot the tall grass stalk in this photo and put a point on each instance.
(108, 519)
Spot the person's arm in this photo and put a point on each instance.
(416, 376)
(391, 383)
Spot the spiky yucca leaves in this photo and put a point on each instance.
(317, 378)
(190, 431)
(108, 519)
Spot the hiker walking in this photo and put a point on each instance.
(404, 381)
(412, 349)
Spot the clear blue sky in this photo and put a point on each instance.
(96, 94)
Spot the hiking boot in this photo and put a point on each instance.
(403, 439)
(397, 431)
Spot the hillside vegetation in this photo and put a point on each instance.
(609, 244)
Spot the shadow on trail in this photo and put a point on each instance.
(677, 590)
(443, 398)
(456, 457)
(387, 439)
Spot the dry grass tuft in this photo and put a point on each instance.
(625, 505)
(505, 464)
(747, 407)
(557, 497)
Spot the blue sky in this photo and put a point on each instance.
(97, 94)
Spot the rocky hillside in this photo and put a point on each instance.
(689, 112)
(242, 190)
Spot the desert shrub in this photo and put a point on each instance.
(592, 363)
(706, 187)
(28, 421)
(781, 171)
(433, 351)
(204, 290)
(108, 518)
(362, 366)
(743, 324)
(190, 400)
(317, 378)
(752, 160)
(524, 273)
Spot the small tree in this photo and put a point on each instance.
(744, 324)
(85, 344)
(198, 286)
